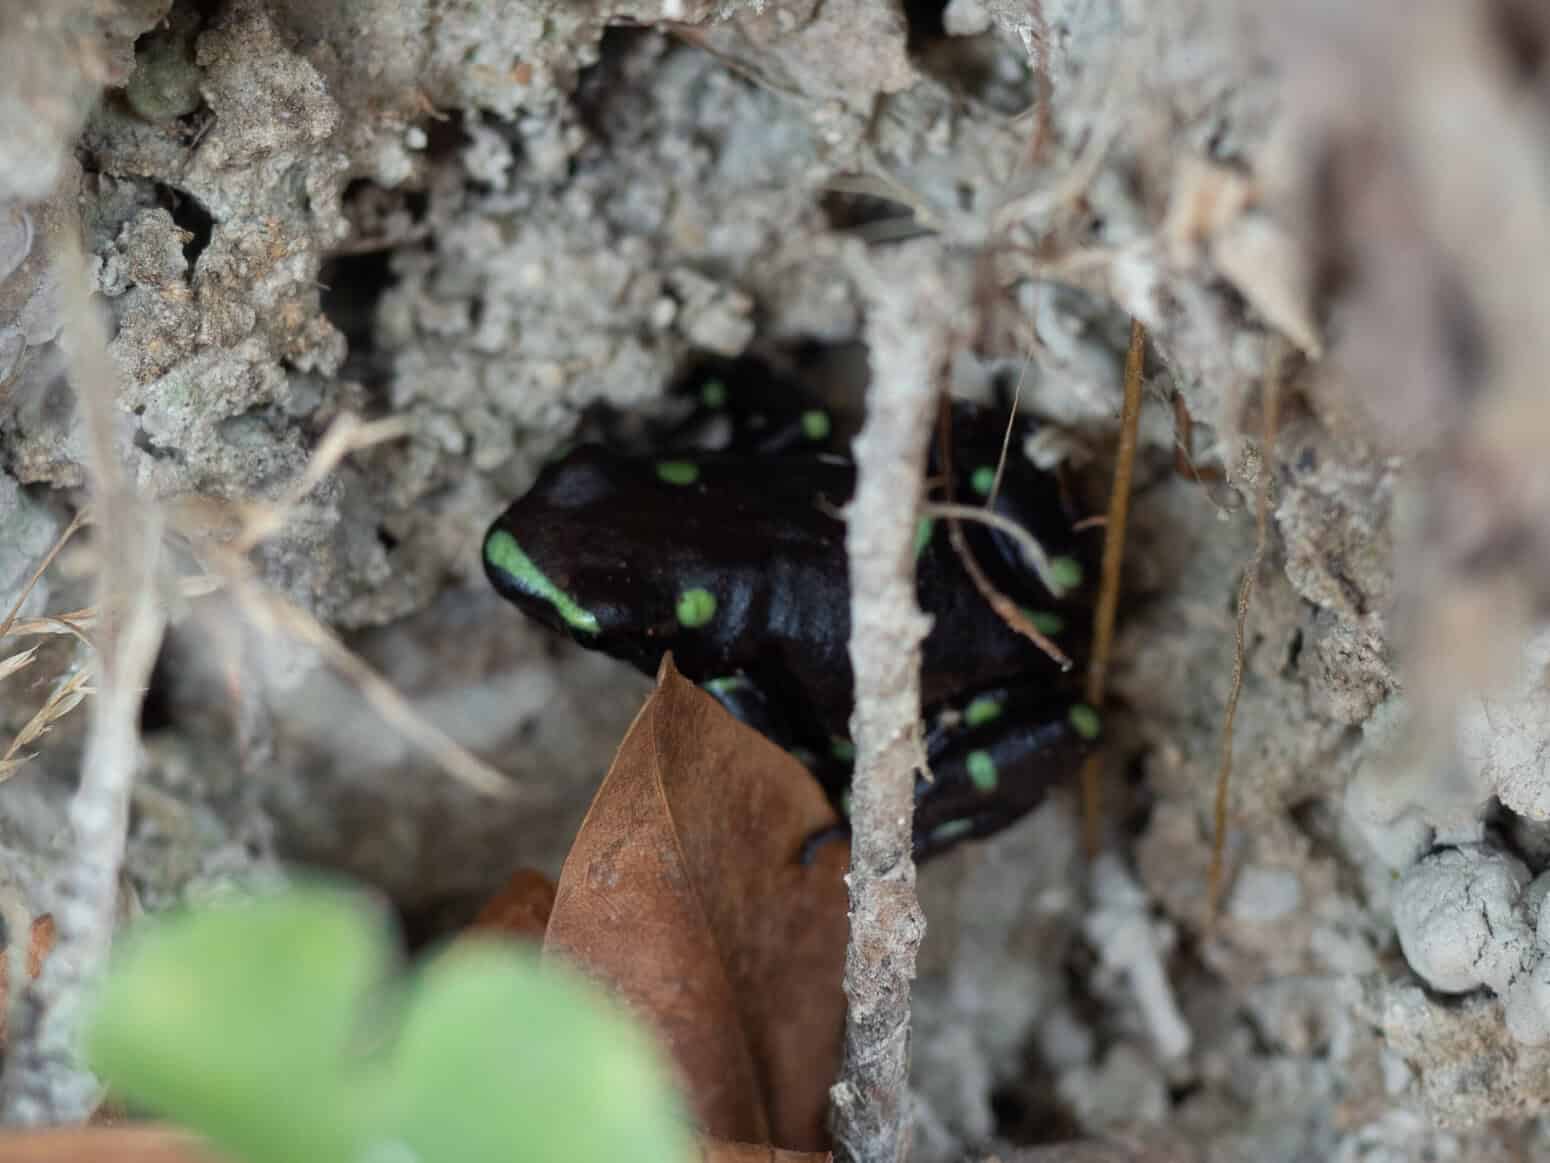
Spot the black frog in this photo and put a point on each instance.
(734, 560)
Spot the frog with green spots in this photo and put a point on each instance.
(734, 560)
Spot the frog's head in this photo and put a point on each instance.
(591, 551)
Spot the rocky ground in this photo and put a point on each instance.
(481, 219)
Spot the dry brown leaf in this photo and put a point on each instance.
(143, 1144)
(683, 893)
(522, 908)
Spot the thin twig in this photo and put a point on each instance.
(910, 342)
(1006, 435)
(1109, 576)
(1006, 609)
(1026, 541)
(271, 614)
(44, 1081)
(345, 435)
(1271, 407)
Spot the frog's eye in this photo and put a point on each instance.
(515, 573)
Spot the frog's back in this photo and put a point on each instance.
(634, 556)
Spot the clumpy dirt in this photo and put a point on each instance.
(485, 220)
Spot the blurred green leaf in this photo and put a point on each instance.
(276, 1027)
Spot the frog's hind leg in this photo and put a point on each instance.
(993, 762)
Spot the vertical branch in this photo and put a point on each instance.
(911, 321)
(44, 1080)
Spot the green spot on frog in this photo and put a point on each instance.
(982, 771)
(983, 480)
(1084, 720)
(730, 684)
(502, 552)
(677, 472)
(1046, 622)
(713, 393)
(842, 749)
(816, 425)
(696, 607)
(1065, 572)
(985, 709)
(924, 527)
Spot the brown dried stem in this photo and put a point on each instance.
(1109, 574)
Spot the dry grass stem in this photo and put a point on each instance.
(1004, 606)
(347, 434)
(1026, 541)
(66, 696)
(16, 662)
(273, 614)
(1109, 577)
(48, 559)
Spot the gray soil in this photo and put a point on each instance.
(483, 218)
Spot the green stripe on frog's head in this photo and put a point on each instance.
(713, 393)
(504, 558)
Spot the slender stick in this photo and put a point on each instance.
(909, 333)
(44, 1081)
